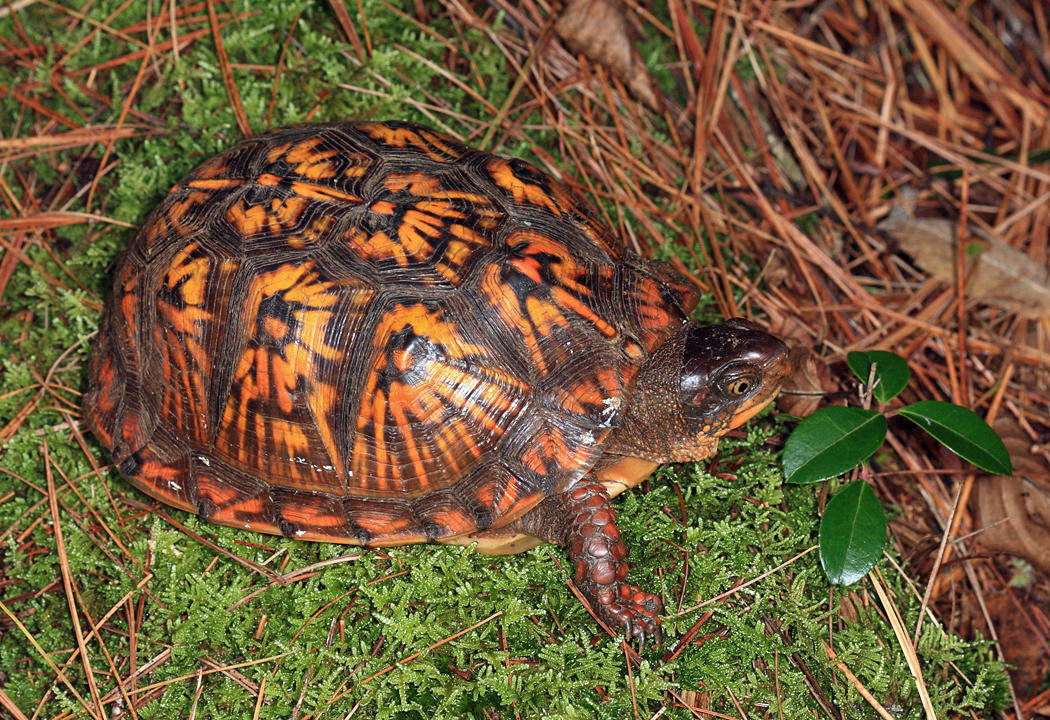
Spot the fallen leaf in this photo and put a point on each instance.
(808, 386)
(598, 29)
(1015, 638)
(997, 274)
(1013, 513)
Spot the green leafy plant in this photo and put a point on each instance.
(835, 440)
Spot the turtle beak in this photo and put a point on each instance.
(771, 355)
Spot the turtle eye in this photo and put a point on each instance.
(738, 387)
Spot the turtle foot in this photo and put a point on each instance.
(631, 609)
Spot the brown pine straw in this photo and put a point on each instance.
(201, 672)
(124, 111)
(62, 677)
(897, 623)
(67, 582)
(9, 705)
(227, 73)
(865, 693)
(259, 698)
(92, 633)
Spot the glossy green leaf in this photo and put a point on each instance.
(891, 372)
(962, 431)
(852, 534)
(831, 441)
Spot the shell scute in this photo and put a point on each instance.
(405, 136)
(420, 229)
(435, 399)
(280, 407)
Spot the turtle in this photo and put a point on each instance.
(372, 333)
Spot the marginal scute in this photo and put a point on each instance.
(652, 302)
(372, 334)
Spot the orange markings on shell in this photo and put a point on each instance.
(214, 184)
(527, 193)
(107, 382)
(499, 499)
(273, 375)
(504, 303)
(589, 394)
(305, 158)
(435, 145)
(411, 234)
(323, 192)
(429, 186)
(312, 511)
(544, 316)
(159, 471)
(379, 520)
(211, 168)
(453, 522)
(276, 328)
(266, 219)
(215, 490)
(652, 311)
(550, 450)
(426, 439)
(567, 271)
(177, 219)
(570, 302)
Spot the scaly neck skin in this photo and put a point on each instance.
(654, 426)
(648, 427)
(699, 384)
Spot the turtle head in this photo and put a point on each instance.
(699, 384)
(729, 372)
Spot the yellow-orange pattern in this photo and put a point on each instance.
(555, 198)
(179, 335)
(306, 159)
(407, 439)
(430, 230)
(275, 364)
(437, 146)
(367, 308)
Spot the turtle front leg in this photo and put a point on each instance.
(583, 520)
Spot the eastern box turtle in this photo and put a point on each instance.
(373, 334)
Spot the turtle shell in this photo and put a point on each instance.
(370, 333)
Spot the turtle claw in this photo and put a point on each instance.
(632, 610)
(641, 642)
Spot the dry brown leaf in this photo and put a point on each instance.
(1014, 512)
(598, 29)
(1015, 638)
(809, 384)
(999, 275)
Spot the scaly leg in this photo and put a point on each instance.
(583, 520)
